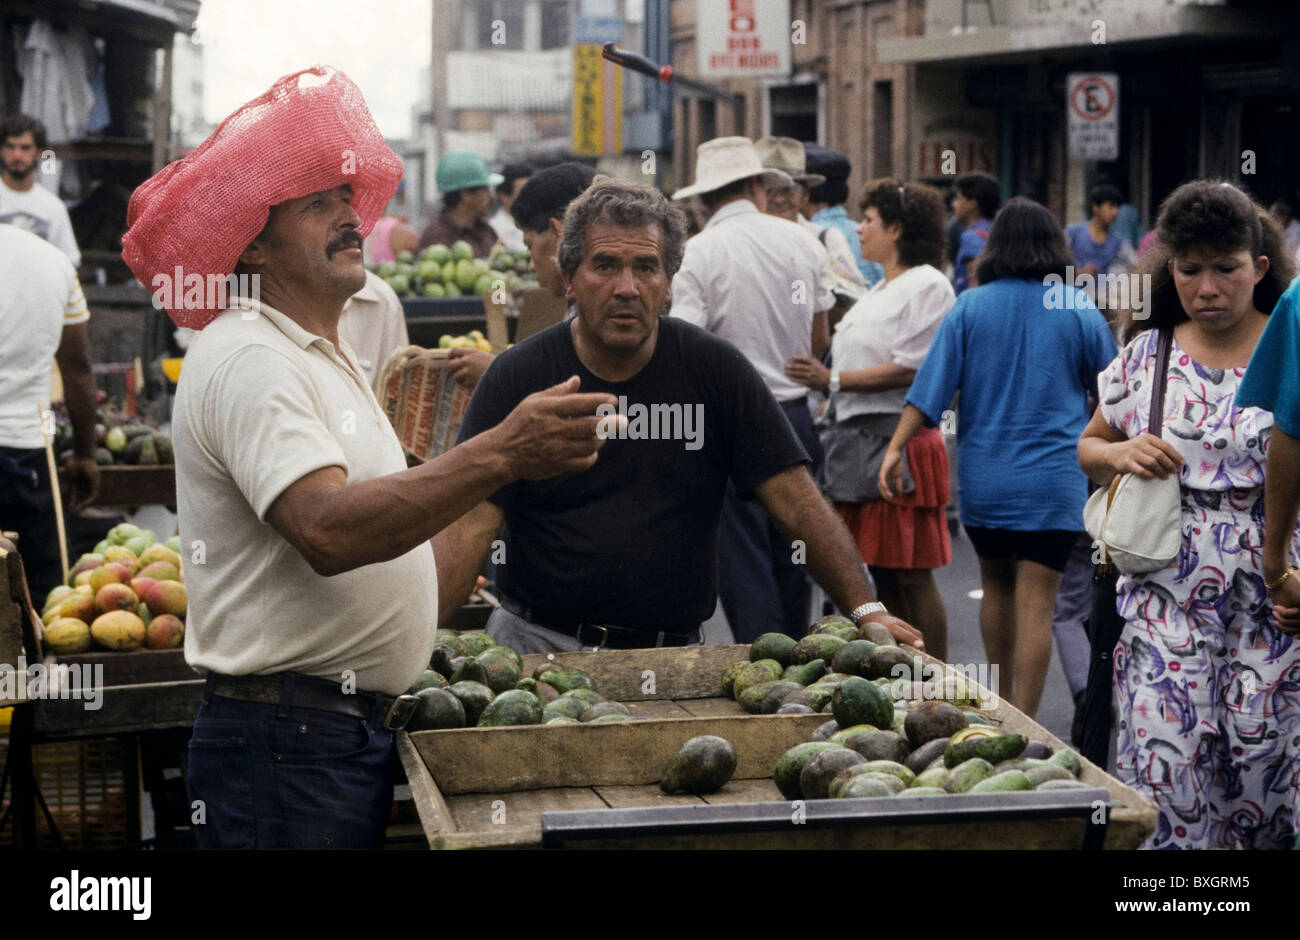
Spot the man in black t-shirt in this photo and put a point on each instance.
(624, 554)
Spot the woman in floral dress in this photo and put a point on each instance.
(1208, 687)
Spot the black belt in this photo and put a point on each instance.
(295, 690)
(802, 401)
(605, 635)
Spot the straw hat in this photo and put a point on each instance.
(786, 154)
(311, 131)
(724, 160)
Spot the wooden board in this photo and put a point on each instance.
(123, 709)
(531, 757)
(681, 672)
(137, 486)
(134, 667)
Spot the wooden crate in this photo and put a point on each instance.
(136, 486)
(489, 787)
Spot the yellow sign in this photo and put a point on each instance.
(597, 103)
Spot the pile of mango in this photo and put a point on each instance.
(127, 594)
(474, 682)
(886, 738)
(474, 339)
(442, 271)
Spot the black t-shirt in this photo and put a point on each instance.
(633, 541)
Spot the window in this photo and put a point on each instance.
(555, 24)
(500, 24)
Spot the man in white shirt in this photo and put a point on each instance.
(312, 586)
(763, 284)
(374, 325)
(22, 202)
(43, 319)
(515, 176)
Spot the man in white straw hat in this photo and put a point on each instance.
(762, 283)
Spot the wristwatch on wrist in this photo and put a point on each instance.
(833, 385)
(862, 610)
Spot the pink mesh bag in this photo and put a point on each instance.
(310, 132)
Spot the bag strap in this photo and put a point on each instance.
(1156, 419)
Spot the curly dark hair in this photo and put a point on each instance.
(1218, 215)
(1025, 241)
(919, 208)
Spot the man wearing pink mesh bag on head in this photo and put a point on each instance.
(312, 586)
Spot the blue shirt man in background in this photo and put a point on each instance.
(975, 203)
(1094, 244)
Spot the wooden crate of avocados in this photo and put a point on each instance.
(489, 787)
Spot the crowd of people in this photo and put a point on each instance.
(815, 365)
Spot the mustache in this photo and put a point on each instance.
(349, 239)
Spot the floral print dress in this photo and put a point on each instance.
(1208, 688)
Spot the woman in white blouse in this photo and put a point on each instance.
(876, 350)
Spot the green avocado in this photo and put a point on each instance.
(824, 731)
(729, 677)
(475, 643)
(1005, 781)
(704, 764)
(475, 696)
(879, 745)
(436, 709)
(764, 670)
(805, 674)
(992, 749)
(924, 791)
(500, 668)
(857, 702)
(515, 707)
(604, 708)
(877, 633)
(791, 764)
(564, 707)
(965, 775)
(1069, 760)
(850, 657)
(934, 777)
(775, 646)
(429, 679)
(816, 776)
(821, 646)
(868, 785)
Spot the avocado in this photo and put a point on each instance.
(564, 707)
(975, 718)
(934, 777)
(585, 696)
(832, 620)
(475, 643)
(775, 646)
(610, 717)
(1045, 772)
(1069, 760)
(805, 674)
(515, 707)
(562, 720)
(703, 765)
(993, 749)
(924, 791)
(794, 708)
(1037, 749)
(893, 768)
(964, 776)
(443, 634)
(751, 699)
(1003, 782)
(843, 778)
(475, 696)
(930, 720)
(891, 662)
(849, 657)
(441, 659)
(899, 724)
(729, 677)
(867, 785)
(566, 680)
(877, 633)
(814, 697)
(926, 754)
(824, 731)
(844, 631)
(879, 745)
(429, 679)
(604, 708)
(842, 736)
(816, 776)
(791, 764)
(821, 646)
(1064, 785)
(776, 696)
(764, 670)
(470, 670)
(500, 668)
(148, 453)
(436, 709)
(857, 702)
(163, 445)
(544, 691)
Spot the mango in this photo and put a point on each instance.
(76, 606)
(164, 597)
(65, 635)
(703, 764)
(122, 555)
(112, 572)
(115, 597)
(118, 630)
(56, 594)
(159, 552)
(87, 562)
(165, 632)
(160, 571)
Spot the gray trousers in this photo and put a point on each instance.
(1073, 604)
(524, 636)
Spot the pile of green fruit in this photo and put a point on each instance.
(120, 438)
(883, 739)
(474, 682)
(439, 271)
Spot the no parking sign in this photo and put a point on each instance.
(1092, 109)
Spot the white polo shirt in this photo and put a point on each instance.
(756, 280)
(374, 325)
(262, 403)
(40, 296)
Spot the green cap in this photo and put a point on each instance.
(464, 169)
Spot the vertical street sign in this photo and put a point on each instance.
(597, 89)
(1092, 110)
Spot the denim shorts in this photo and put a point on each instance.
(268, 776)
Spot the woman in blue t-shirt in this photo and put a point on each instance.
(1024, 349)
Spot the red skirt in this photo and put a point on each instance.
(911, 530)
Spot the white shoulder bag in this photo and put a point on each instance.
(1139, 521)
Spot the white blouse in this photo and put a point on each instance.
(894, 322)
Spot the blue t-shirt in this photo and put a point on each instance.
(968, 249)
(1272, 379)
(1086, 251)
(1025, 370)
(835, 217)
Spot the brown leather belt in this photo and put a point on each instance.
(295, 690)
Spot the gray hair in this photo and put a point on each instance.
(629, 205)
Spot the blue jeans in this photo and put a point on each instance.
(286, 777)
